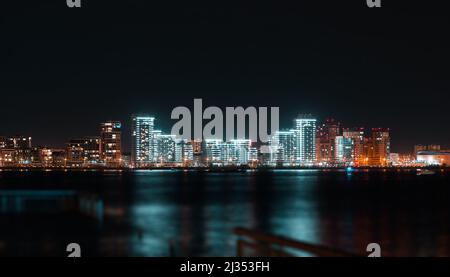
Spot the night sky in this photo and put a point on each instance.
(63, 71)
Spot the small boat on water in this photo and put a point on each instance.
(425, 172)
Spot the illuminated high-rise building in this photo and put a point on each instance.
(283, 147)
(198, 152)
(235, 152)
(378, 147)
(154, 145)
(142, 141)
(212, 150)
(344, 150)
(326, 142)
(358, 137)
(184, 152)
(305, 128)
(228, 153)
(111, 143)
(164, 148)
(253, 155)
(239, 154)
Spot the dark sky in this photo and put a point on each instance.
(63, 71)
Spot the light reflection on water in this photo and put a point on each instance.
(158, 213)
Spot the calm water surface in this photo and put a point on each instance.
(156, 213)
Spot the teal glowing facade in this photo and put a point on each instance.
(305, 128)
(142, 141)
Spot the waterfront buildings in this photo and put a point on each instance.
(184, 153)
(92, 153)
(441, 158)
(212, 151)
(329, 145)
(18, 142)
(431, 155)
(228, 153)
(142, 141)
(111, 143)
(58, 157)
(84, 152)
(47, 157)
(357, 135)
(240, 152)
(150, 147)
(357, 148)
(326, 142)
(420, 148)
(164, 148)
(253, 156)
(344, 150)
(75, 153)
(283, 148)
(305, 128)
(378, 147)
(15, 150)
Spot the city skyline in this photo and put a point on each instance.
(166, 123)
(308, 143)
(308, 57)
(128, 128)
(128, 145)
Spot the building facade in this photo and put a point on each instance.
(378, 147)
(283, 147)
(75, 153)
(441, 158)
(184, 153)
(357, 135)
(142, 141)
(344, 150)
(326, 142)
(15, 151)
(164, 148)
(212, 151)
(305, 128)
(111, 143)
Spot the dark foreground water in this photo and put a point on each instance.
(158, 213)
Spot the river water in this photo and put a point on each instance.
(162, 213)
